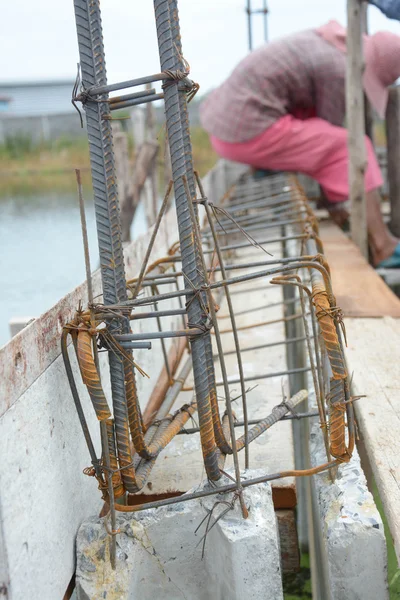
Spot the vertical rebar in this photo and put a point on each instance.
(169, 61)
(233, 321)
(93, 71)
(228, 404)
(103, 426)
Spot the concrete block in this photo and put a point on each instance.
(352, 530)
(159, 555)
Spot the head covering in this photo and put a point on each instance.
(382, 60)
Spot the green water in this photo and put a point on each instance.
(41, 255)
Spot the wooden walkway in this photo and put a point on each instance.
(359, 290)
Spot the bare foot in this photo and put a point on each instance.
(378, 255)
(340, 216)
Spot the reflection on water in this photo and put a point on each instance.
(41, 255)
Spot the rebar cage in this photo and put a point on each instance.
(189, 284)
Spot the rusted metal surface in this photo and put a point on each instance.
(216, 440)
(163, 382)
(198, 268)
(90, 376)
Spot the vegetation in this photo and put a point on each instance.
(49, 165)
(393, 567)
(297, 586)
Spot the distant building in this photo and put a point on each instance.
(41, 110)
(4, 103)
(27, 99)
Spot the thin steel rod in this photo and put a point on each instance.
(232, 281)
(106, 457)
(158, 335)
(263, 307)
(318, 392)
(136, 345)
(229, 488)
(156, 314)
(269, 345)
(170, 279)
(267, 214)
(180, 302)
(298, 415)
(261, 243)
(116, 99)
(232, 267)
(225, 383)
(133, 102)
(152, 239)
(84, 236)
(162, 340)
(103, 427)
(259, 227)
(271, 186)
(234, 327)
(265, 323)
(259, 201)
(280, 203)
(78, 405)
(246, 290)
(233, 381)
(238, 246)
(123, 85)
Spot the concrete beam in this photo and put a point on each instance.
(351, 530)
(160, 554)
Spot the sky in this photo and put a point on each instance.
(38, 39)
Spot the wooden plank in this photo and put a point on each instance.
(373, 354)
(359, 290)
(356, 124)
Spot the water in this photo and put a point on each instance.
(41, 252)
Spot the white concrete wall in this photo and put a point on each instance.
(350, 539)
(44, 495)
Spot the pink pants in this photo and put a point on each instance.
(312, 146)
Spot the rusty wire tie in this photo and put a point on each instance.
(335, 313)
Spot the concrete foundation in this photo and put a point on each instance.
(159, 552)
(351, 529)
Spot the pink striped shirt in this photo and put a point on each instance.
(301, 74)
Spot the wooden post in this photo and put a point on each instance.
(393, 157)
(356, 125)
(123, 172)
(369, 114)
(145, 163)
(151, 137)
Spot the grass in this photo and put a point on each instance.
(393, 567)
(26, 167)
(297, 586)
